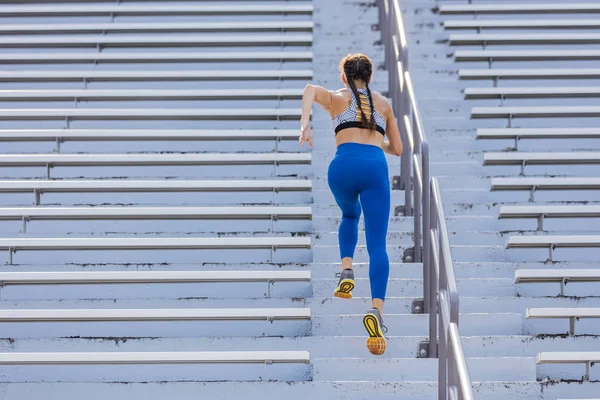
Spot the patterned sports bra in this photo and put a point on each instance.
(352, 118)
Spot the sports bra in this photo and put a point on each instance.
(351, 118)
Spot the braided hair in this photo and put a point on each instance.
(360, 67)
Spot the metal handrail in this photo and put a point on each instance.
(439, 282)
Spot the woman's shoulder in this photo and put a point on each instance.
(381, 102)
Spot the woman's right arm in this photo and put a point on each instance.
(313, 94)
(394, 144)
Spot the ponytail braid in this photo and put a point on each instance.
(360, 67)
(358, 103)
(372, 123)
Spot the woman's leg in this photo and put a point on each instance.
(343, 187)
(375, 201)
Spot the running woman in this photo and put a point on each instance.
(358, 177)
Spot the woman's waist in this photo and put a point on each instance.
(360, 150)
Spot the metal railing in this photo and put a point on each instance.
(431, 244)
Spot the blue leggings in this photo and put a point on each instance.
(361, 171)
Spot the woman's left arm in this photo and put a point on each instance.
(313, 94)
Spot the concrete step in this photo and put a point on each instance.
(417, 325)
(333, 390)
(157, 329)
(403, 369)
(331, 238)
(325, 346)
(157, 372)
(414, 287)
(327, 305)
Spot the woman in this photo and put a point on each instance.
(359, 171)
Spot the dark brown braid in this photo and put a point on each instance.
(359, 67)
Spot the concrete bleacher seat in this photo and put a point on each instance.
(144, 27)
(538, 133)
(160, 57)
(529, 74)
(126, 76)
(570, 357)
(153, 159)
(114, 9)
(523, 24)
(147, 94)
(149, 114)
(145, 277)
(526, 55)
(573, 314)
(525, 38)
(530, 92)
(536, 112)
(178, 314)
(155, 41)
(517, 8)
(181, 357)
(526, 158)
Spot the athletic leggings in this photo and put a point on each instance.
(361, 171)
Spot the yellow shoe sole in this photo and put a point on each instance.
(376, 342)
(344, 289)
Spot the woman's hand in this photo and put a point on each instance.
(305, 135)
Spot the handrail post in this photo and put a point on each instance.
(426, 224)
(432, 287)
(417, 211)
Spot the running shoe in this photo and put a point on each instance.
(373, 322)
(345, 285)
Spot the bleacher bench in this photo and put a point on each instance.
(150, 114)
(180, 357)
(536, 112)
(163, 314)
(96, 41)
(526, 55)
(139, 27)
(552, 242)
(543, 212)
(562, 276)
(549, 158)
(573, 314)
(523, 24)
(538, 133)
(116, 76)
(37, 187)
(29, 160)
(516, 8)
(153, 243)
(145, 277)
(571, 357)
(159, 57)
(530, 92)
(148, 94)
(534, 184)
(530, 74)
(524, 38)
(116, 9)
